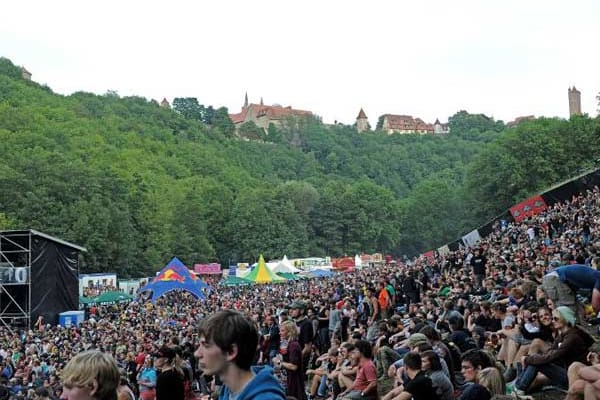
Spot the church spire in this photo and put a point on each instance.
(261, 101)
(246, 100)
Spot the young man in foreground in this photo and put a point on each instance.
(228, 343)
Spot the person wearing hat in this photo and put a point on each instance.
(169, 382)
(570, 345)
(305, 327)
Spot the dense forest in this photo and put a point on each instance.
(136, 183)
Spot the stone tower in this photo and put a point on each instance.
(574, 101)
(362, 122)
(25, 74)
(245, 101)
(165, 103)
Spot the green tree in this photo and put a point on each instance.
(250, 130)
(189, 108)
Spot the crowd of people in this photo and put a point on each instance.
(513, 314)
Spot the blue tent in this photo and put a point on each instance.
(175, 276)
(321, 273)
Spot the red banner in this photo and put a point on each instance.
(527, 208)
(344, 263)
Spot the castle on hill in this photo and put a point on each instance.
(263, 115)
(403, 124)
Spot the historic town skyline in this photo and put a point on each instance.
(428, 60)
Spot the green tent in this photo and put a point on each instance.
(290, 276)
(108, 298)
(262, 274)
(234, 281)
(84, 300)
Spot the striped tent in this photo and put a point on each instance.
(262, 274)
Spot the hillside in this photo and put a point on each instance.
(137, 184)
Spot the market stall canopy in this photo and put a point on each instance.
(105, 299)
(321, 273)
(285, 266)
(292, 277)
(235, 281)
(175, 276)
(262, 274)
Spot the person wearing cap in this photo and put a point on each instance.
(227, 348)
(169, 382)
(305, 327)
(570, 345)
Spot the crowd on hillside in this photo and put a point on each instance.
(469, 324)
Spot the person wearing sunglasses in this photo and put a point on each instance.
(535, 335)
(570, 345)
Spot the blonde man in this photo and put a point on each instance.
(90, 375)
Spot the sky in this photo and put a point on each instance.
(426, 58)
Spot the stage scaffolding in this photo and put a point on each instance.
(38, 277)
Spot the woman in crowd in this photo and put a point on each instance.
(491, 379)
(570, 345)
(146, 379)
(291, 361)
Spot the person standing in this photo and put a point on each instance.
(305, 327)
(323, 327)
(146, 380)
(478, 263)
(274, 338)
(291, 361)
(227, 347)
(169, 382)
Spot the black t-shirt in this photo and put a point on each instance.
(306, 332)
(421, 388)
(478, 264)
(169, 386)
(475, 391)
(484, 322)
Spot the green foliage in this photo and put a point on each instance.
(136, 184)
(9, 69)
(249, 130)
(474, 126)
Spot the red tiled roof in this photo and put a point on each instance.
(279, 112)
(239, 117)
(270, 112)
(407, 123)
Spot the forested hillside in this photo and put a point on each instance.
(137, 184)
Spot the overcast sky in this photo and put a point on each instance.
(429, 59)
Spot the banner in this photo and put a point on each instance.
(18, 275)
(442, 251)
(207, 269)
(471, 238)
(527, 208)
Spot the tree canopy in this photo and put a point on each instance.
(137, 184)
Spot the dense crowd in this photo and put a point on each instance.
(468, 324)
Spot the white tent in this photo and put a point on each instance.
(284, 266)
(357, 261)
